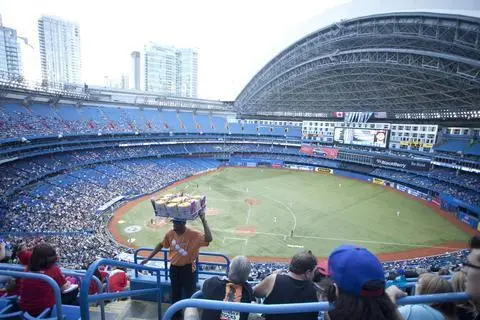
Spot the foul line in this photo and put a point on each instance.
(341, 239)
(248, 214)
(245, 242)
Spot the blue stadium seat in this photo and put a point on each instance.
(278, 131)
(235, 128)
(154, 120)
(171, 120)
(250, 128)
(264, 131)
(474, 149)
(219, 124)
(294, 132)
(454, 145)
(186, 119)
(203, 121)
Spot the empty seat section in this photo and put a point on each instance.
(115, 123)
(186, 118)
(249, 128)
(203, 121)
(278, 131)
(95, 118)
(474, 150)
(68, 112)
(134, 118)
(154, 120)
(264, 130)
(171, 120)
(219, 124)
(454, 146)
(294, 132)
(47, 115)
(235, 128)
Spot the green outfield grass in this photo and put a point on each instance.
(323, 210)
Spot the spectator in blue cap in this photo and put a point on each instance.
(358, 289)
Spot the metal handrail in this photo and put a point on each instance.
(72, 273)
(32, 275)
(165, 260)
(85, 299)
(297, 307)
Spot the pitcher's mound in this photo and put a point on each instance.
(246, 230)
(252, 201)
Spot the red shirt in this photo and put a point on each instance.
(24, 257)
(117, 281)
(93, 288)
(36, 295)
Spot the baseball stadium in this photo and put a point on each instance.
(364, 132)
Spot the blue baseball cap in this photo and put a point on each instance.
(351, 267)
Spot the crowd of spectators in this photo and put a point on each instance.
(445, 264)
(63, 209)
(357, 285)
(433, 184)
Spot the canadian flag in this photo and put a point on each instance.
(338, 114)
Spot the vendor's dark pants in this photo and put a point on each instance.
(182, 278)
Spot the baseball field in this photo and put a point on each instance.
(269, 214)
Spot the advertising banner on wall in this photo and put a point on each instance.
(299, 167)
(329, 153)
(323, 170)
(412, 192)
(400, 163)
(379, 181)
(465, 218)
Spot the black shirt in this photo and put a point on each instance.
(289, 290)
(222, 289)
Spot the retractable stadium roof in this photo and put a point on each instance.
(397, 62)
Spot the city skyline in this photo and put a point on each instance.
(236, 39)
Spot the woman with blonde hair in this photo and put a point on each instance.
(429, 283)
(465, 309)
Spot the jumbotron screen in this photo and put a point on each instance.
(361, 137)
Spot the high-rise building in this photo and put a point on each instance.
(187, 71)
(124, 81)
(160, 69)
(59, 50)
(136, 70)
(10, 59)
(121, 82)
(171, 71)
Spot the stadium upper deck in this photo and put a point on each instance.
(415, 65)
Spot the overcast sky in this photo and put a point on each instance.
(234, 38)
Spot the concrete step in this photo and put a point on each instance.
(128, 310)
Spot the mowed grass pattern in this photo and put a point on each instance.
(323, 210)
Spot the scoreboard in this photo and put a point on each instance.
(361, 137)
